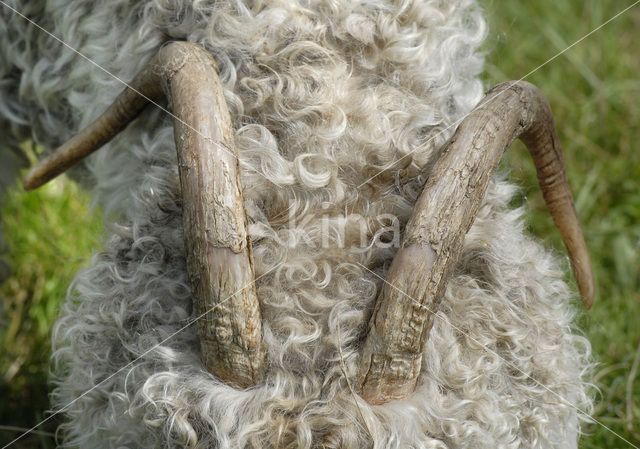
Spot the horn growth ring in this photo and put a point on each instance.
(391, 355)
(218, 250)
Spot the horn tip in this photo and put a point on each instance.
(587, 294)
(586, 286)
(31, 181)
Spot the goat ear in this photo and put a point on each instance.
(392, 353)
(218, 250)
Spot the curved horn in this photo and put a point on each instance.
(218, 251)
(392, 352)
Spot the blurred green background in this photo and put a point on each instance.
(594, 91)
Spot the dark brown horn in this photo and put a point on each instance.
(218, 251)
(392, 353)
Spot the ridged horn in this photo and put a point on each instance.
(218, 251)
(392, 352)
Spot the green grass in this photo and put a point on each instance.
(594, 90)
(50, 234)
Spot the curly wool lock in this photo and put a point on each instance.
(323, 95)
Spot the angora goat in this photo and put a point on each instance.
(339, 112)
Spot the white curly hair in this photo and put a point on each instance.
(323, 95)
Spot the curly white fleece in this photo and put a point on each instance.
(323, 95)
